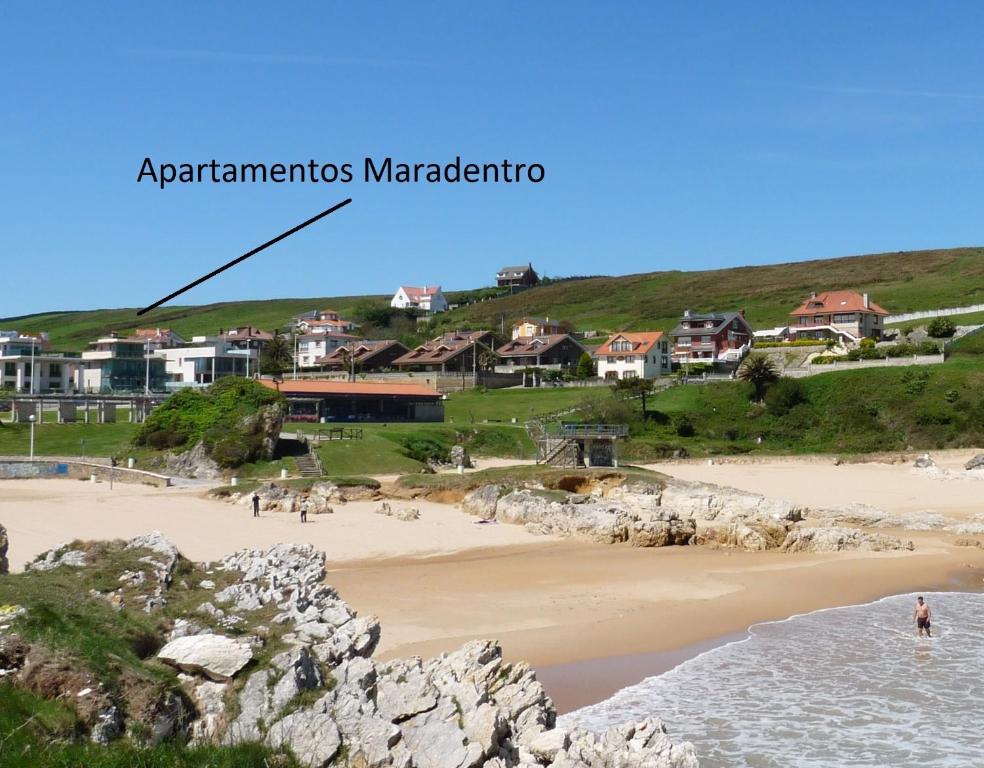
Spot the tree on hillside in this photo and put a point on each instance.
(278, 356)
(585, 367)
(634, 388)
(760, 371)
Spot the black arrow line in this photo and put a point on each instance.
(234, 262)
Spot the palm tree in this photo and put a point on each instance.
(760, 371)
(278, 355)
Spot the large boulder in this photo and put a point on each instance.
(724, 505)
(4, 565)
(975, 463)
(195, 463)
(838, 539)
(482, 502)
(215, 656)
(313, 737)
(924, 462)
(752, 536)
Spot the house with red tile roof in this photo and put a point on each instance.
(711, 337)
(456, 351)
(427, 299)
(840, 315)
(364, 356)
(556, 351)
(643, 355)
(528, 327)
(324, 321)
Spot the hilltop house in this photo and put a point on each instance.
(364, 356)
(27, 365)
(517, 277)
(115, 364)
(205, 360)
(556, 351)
(840, 315)
(643, 355)
(711, 337)
(456, 351)
(528, 327)
(323, 321)
(246, 337)
(426, 299)
(159, 338)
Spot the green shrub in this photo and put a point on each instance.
(867, 343)
(784, 395)
(426, 450)
(941, 327)
(683, 425)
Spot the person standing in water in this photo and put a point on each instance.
(921, 615)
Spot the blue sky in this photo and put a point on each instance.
(687, 135)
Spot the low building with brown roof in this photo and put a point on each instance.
(456, 351)
(557, 351)
(841, 315)
(355, 401)
(364, 356)
(643, 355)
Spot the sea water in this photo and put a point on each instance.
(850, 686)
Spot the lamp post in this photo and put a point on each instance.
(32, 364)
(32, 418)
(295, 356)
(147, 371)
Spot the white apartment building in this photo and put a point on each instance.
(27, 366)
(311, 347)
(205, 360)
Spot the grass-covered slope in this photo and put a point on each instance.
(900, 282)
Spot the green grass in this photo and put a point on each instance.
(900, 282)
(66, 439)
(878, 409)
(503, 405)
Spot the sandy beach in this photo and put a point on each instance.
(591, 617)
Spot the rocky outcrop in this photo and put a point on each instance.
(975, 463)
(719, 504)
(751, 536)
(56, 558)
(215, 656)
(866, 516)
(4, 565)
(194, 463)
(458, 456)
(838, 539)
(482, 502)
(924, 462)
(406, 514)
(320, 497)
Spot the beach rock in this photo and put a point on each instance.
(459, 457)
(751, 536)
(975, 463)
(664, 531)
(838, 539)
(400, 513)
(866, 516)
(55, 558)
(924, 462)
(313, 737)
(4, 544)
(482, 502)
(194, 463)
(724, 505)
(957, 543)
(216, 656)
(640, 745)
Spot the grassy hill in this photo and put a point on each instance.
(900, 282)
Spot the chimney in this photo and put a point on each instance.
(741, 311)
(867, 304)
(813, 294)
(686, 313)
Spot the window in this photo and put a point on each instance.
(10, 369)
(629, 375)
(848, 318)
(54, 370)
(705, 339)
(684, 341)
(630, 358)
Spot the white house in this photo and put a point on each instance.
(311, 347)
(634, 355)
(205, 360)
(428, 298)
(27, 366)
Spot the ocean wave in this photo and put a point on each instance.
(848, 686)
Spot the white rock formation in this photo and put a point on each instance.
(216, 656)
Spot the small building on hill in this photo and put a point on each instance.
(839, 315)
(323, 321)
(715, 338)
(426, 299)
(355, 401)
(558, 351)
(643, 355)
(313, 347)
(364, 356)
(517, 277)
(456, 351)
(528, 327)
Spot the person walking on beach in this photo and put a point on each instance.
(304, 510)
(256, 504)
(921, 615)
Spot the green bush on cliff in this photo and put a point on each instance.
(223, 417)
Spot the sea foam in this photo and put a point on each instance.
(849, 686)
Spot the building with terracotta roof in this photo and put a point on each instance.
(312, 347)
(643, 355)
(324, 321)
(840, 315)
(426, 299)
(456, 351)
(711, 337)
(159, 338)
(556, 351)
(364, 356)
(355, 401)
(528, 327)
